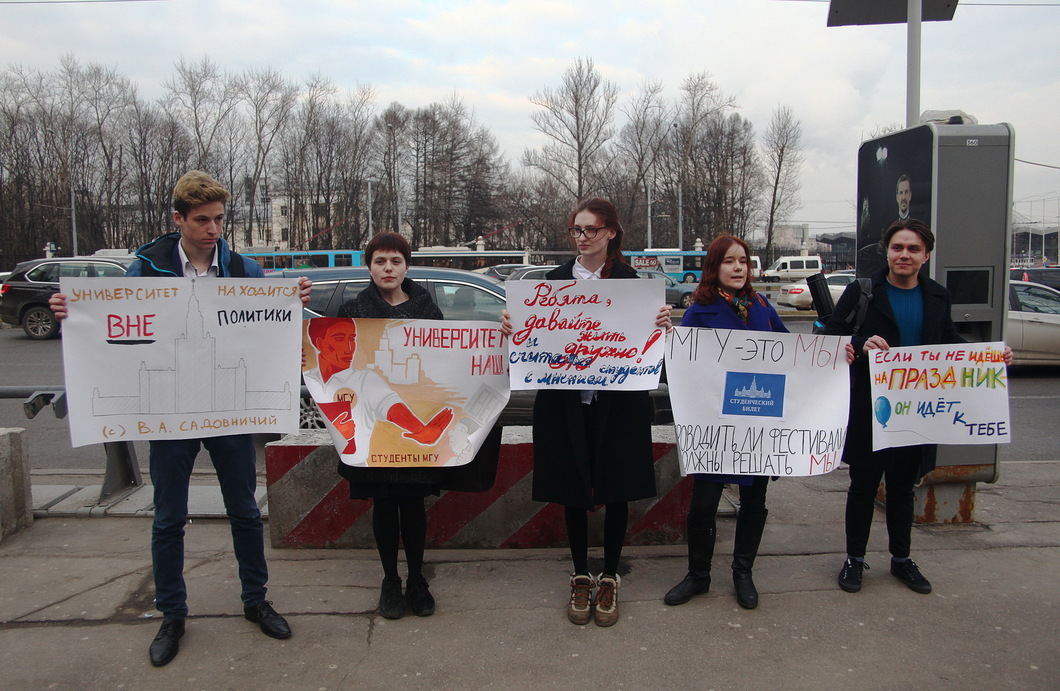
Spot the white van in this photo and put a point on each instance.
(792, 269)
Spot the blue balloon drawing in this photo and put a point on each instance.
(882, 408)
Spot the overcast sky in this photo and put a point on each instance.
(998, 63)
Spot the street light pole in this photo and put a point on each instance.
(73, 213)
(370, 231)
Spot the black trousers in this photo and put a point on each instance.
(864, 482)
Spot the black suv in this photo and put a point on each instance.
(25, 293)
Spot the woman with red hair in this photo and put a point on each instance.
(726, 300)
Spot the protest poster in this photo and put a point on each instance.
(585, 334)
(180, 358)
(413, 393)
(939, 394)
(757, 402)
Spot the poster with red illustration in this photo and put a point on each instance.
(585, 334)
(414, 393)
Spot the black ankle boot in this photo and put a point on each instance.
(693, 584)
(697, 580)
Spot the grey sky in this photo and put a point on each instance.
(997, 63)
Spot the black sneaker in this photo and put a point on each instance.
(391, 604)
(908, 573)
(419, 597)
(850, 575)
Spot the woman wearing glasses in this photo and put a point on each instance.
(593, 448)
(726, 300)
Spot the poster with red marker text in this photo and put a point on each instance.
(939, 394)
(594, 334)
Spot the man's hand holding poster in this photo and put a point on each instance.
(178, 358)
(406, 392)
(939, 394)
(758, 403)
(586, 334)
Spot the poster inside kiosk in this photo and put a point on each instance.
(939, 394)
(180, 358)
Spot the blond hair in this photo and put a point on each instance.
(196, 188)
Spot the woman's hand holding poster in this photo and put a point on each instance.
(585, 334)
(939, 394)
(406, 392)
(758, 403)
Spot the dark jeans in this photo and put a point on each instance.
(171, 463)
(864, 482)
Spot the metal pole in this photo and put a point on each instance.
(912, 75)
(647, 185)
(680, 219)
(73, 215)
(370, 233)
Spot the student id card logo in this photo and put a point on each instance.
(754, 394)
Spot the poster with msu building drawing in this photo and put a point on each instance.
(180, 358)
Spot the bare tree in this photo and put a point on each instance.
(270, 101)
(202, 98)
(577, 119)
(639, 144)
(782, 149)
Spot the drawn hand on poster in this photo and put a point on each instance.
(423, 434)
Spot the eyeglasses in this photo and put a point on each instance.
(588, 231)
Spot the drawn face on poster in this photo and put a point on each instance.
(894, 182)
(406, 393)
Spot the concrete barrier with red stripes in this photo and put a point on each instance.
(309, 504)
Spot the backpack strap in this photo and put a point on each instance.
(863, 304)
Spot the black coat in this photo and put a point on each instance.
(879, 320)
(582, 467)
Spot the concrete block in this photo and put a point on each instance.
(16, 495)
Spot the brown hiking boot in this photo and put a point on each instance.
(607, 600)
(579, 610)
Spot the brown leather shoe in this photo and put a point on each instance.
(607, 600)
(580, 607)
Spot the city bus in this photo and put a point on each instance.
(452, 257)
(684, 266)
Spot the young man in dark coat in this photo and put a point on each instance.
(198, 250)
(906, 308)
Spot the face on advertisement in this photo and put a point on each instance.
(904, 195)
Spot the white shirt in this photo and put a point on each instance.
(371, 397)
(189, 268)
(583, 274)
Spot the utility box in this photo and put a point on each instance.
(958, 179)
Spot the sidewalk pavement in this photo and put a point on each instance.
(76, 607)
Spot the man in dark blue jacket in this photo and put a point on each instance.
(198, 250)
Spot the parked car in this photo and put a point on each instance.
(677, 294)
(1046, 275)
(501, 271)
(463, 295)
(530, 273)
(1033, 325)
(25, 293)
(797, 294)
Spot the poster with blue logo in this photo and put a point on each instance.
(758, 403)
